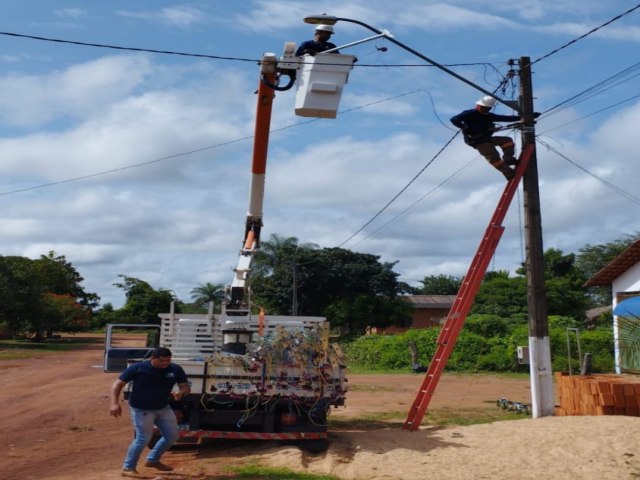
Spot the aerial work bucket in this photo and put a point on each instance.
(320, 83)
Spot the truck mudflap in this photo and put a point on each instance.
(200, 434)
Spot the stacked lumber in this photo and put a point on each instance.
(598, 394)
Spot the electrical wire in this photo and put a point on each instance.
(617, 104)
(428, 194)
(602, 86)
(132, 49)
(402, 190)
(202, 55)
(593, 30)
(619, 191)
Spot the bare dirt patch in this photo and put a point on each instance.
(56, 425)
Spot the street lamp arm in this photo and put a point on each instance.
(331, 20)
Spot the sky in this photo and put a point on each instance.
(130, 162)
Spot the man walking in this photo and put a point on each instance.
(153, 381)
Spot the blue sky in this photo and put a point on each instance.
(148, 208)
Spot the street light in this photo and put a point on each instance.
(331, 20)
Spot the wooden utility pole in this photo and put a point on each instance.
(542, 398)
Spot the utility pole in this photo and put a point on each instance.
(542, 398)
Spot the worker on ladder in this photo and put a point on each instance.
(478, 128)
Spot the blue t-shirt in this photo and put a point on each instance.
(312, 47)
(152, 386)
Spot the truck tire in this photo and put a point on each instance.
(314, 446)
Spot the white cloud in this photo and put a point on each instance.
(182, 16)
(80, 90)
(71, 12)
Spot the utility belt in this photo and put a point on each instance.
(473, 140)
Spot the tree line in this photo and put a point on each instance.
(353, 290)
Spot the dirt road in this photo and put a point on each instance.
(56, 425)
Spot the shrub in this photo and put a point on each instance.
(476, 352)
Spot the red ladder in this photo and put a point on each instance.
(465, 297)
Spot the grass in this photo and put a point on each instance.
(369, 388)
(257, 472)
(358, 369)
(21, 349)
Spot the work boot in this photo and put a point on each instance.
(511, 161)
(158, 466)
(508, 173)
(130, 472)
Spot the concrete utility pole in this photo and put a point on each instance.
(542, 398)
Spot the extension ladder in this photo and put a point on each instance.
(465, 297)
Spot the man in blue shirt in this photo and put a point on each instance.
(153, 380)
(320, 42)
(478, 128)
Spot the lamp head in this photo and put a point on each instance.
(321, 19)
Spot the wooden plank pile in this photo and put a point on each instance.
(598, 394)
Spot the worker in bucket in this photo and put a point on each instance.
(320, 42)
(478, 128)
(153, 381)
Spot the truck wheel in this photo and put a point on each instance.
(314, 446)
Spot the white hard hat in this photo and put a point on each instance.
(324, 28)
(486, 101)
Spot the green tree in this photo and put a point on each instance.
(21, 292)
(208, 292)
(106, 314)
(31, 293)
(440, 285)
(507, 297)
(278, 253)
(277, 268)
(64, 314)
(143, 303)
(330, 282)
(504, 297)
(61, 277)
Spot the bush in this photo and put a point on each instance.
(475, 352)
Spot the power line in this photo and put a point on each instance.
(428, 194)
(202, 55)
(133, 49)
(617, 104)
(402, 190)
(602, 86)
(623, 193)
(593, 30)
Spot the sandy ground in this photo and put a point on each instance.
(55, 425)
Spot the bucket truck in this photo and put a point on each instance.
(253, 376)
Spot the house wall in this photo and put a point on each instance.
(627, 283)
(428, 317)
